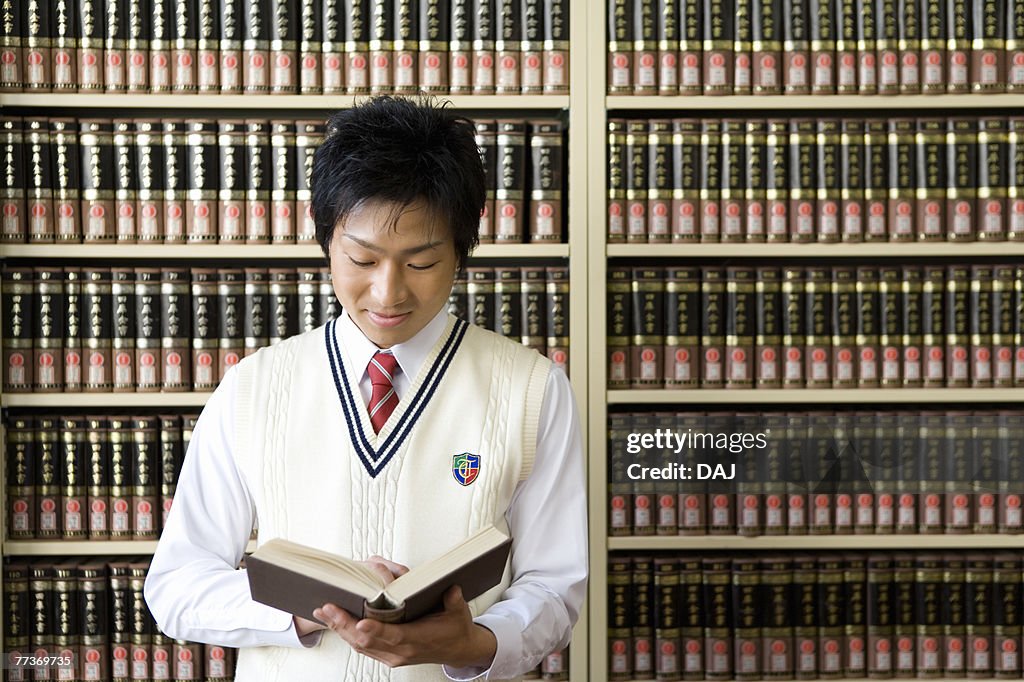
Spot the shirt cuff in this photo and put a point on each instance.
(282, 632)
(507, 656)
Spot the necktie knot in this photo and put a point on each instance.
(383, 399)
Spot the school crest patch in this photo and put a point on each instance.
(465, 467)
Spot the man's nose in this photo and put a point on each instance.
(389, 288)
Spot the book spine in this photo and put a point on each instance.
(868, 327)
(120, 478)
(405, 46)
(667, 494)
(123, 333)
(931, 470)
(230, 208)
(667, 621)
(125, 183)
(910, 34)
(988, 65)
(510, 153)
(96, 145)
(21, 463)
(903, 588)
(734, 181)
(933, 46)
(855, 629)
(686, 149)
(793, 463)
(978, 594)
(480, 301)
(204, 329)
(805, 631)
(880, 616)
(796, 47)
(136, 55)
(954, 610)
(185, 35)
(282, 182)
(818, 342)
(508, 302)
(985, 433)
(329, 29)
(890, 326)
(710, 180)
(746, 609)
(257, 310)
(772, 463)
(90, 20)
(742, 48)
(620, 488)
(802, 179)
(958, 319)
(620, 610)
(48, 470)
(547, 175)
(556, 47)
(1003, 326)
(486, 140)
(648, 327)
(768, 328)
(38, 72)
(712, 342)
(793, 327)
(766, 31)
(460, 46)
(636, 182)
(823, 34)
(831, 617)
(176, 156)
(691, 43)
(357, 46)
(172, 454)
(659, 179)
(258, 182)
(12, 58)
(740, 327)
(256, 27)
(1014, 179)
(718, 619)
(693, 618)
(483, 33)
(149, 164)
(642, 617)
(18, 615)
(876, 181)
(531, 58)
(668, 35)
(148, 365)
(161, 39)
(284, 42)
(902, 179)
(777, 619)
(309, 136)
(851, 180)
(1018, 335)
(98, 478)
(19, 312)
(756, 187)
(961, 466)
(682, 327)
(283, 304)
(330, 307)
(1006, 612)
(507, 46)
(719, 28)
(993, 148)
(66, 184)
(175, 329)
(116, 625)
(981, 326)
(777, 180)
(886, 485)
(39, 195)
(557, 301)
(532, 314)
(933, 326)
(96, 307)
(143, 451)
(829, 181)
(931, 179)
(434, 38)
(308, 299)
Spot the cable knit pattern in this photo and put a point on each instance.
(309, 486)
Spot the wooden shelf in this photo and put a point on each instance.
(825, 396)
(838, 103)
(860, 250)
(239, 251)
(268, 103)
(102, 400)
(84, 547)
(816, 542)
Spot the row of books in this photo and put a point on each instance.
(91, 477)
(816, 326)
(815, 616)
(90, 615)
(816, 179)
(232, 181)
(815, 473)
(820, 47)
(286, 46)
(150, 329)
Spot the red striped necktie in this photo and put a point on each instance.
(383, 398)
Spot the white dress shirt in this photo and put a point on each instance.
(195, 592)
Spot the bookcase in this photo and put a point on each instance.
(570, 108)
(601, 401)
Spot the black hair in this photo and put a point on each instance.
(400, 151)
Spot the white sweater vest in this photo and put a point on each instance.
(318, 474)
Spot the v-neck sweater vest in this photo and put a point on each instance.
(319, 475)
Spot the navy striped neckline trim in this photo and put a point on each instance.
(373, 460)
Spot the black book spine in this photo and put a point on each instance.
(557, 300)
(258, 182)
(890, 326)
(230, 60)
(910, 33)
(978, 596)
(734, 181)
(620, 613)
(329, 30)
(98, 318)
(818, 342)
(256, 20)
(120, 468)
(137, 45)
(175, 329)
(988, 65)
(1003, 326)
(1006, 609)
(931, 179)
(19, 309)
(257, 309)
(710, 180)
(719, 619)
(122, 342)
(507, 302)
(203, 182)
(17, 617)
(308, 299)
(933, 46)
(185, 35)
(993, 172)
(176, 174)
(39, 197)
(284, 42)
(793, 327)
(144, 452)
(547, 172)
(284, 309)
(747, 613)
(532, 315)
(98, 180)
(41, 599)
(713, 321)
(94, 619)
(636, 182)
(682, 327)
(149, 162)
(11, 47)
(740, 327)
(1014, 47)
(645, 46)
(125, 182)
(619, 319)
(719, 24)
(556, 46)
(434, 35)
(357, 45)
(21, 464)
(38, 73)
(957, 311)
(480, 300)
(648, 327)
(205, 325)
(510, 174)
(115, 77)
(758, 170)
(532, 59)
(98, 478)
(642, 617)
(868, 327)
(233, 171)
(902, 179)
(954, 614)
(172, 453)
(981, 326)
(148, 316)
(66, 183)
(961, 178)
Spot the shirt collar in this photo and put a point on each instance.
(410, 355)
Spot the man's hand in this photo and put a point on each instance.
(450, 637)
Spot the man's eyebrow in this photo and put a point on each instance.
(405, 252)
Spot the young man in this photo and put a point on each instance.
(343, 438)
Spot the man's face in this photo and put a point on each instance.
(392, 282)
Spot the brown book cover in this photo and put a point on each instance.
(881, 616)
(125, 182)
(434, 38)
(993, 144)
(1014, 47)
(887, 17)
(682, 327)
(743, 46)
(405, 46)
(732, 205)
(710, 179)
(876, 181)
(691, 47)
(66, 183)
(805, 618)
(686, 149)
(300, 579)
(98, 325)
(642, 620)
(547, 174)
(620, 47)
(11, 48)
(818, 304)
(41, 599)
(39, 196)
(803, 180)
(230, 210)
(509, 199)
(796, 55)
(21, 463)
(933, 47)
(756, 189)
(115, 20)
(256, 27)
(557, 300)
(931, 471)
(931, 180)
(913, 328)
(692, 630)
(959, 18)
(483, 34)
(72, 330)
(847, 12)
(644, 490)
(285, 26)
(635, 155)
(230, 308)
(123, 333)
(648, 327)
(47, 335)
(868, 327)
(460, 45)
(175, 329)
(824, 31)
(507, 43)
(556, 49)
(884, 475)
(988, 65)
(38, 72)
(659, 181)
(120, 640)
(184, 34)
(620, 613)
(982, 326)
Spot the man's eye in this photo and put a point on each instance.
(423, 267)
(359, 263)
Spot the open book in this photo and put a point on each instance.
(297, 579)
